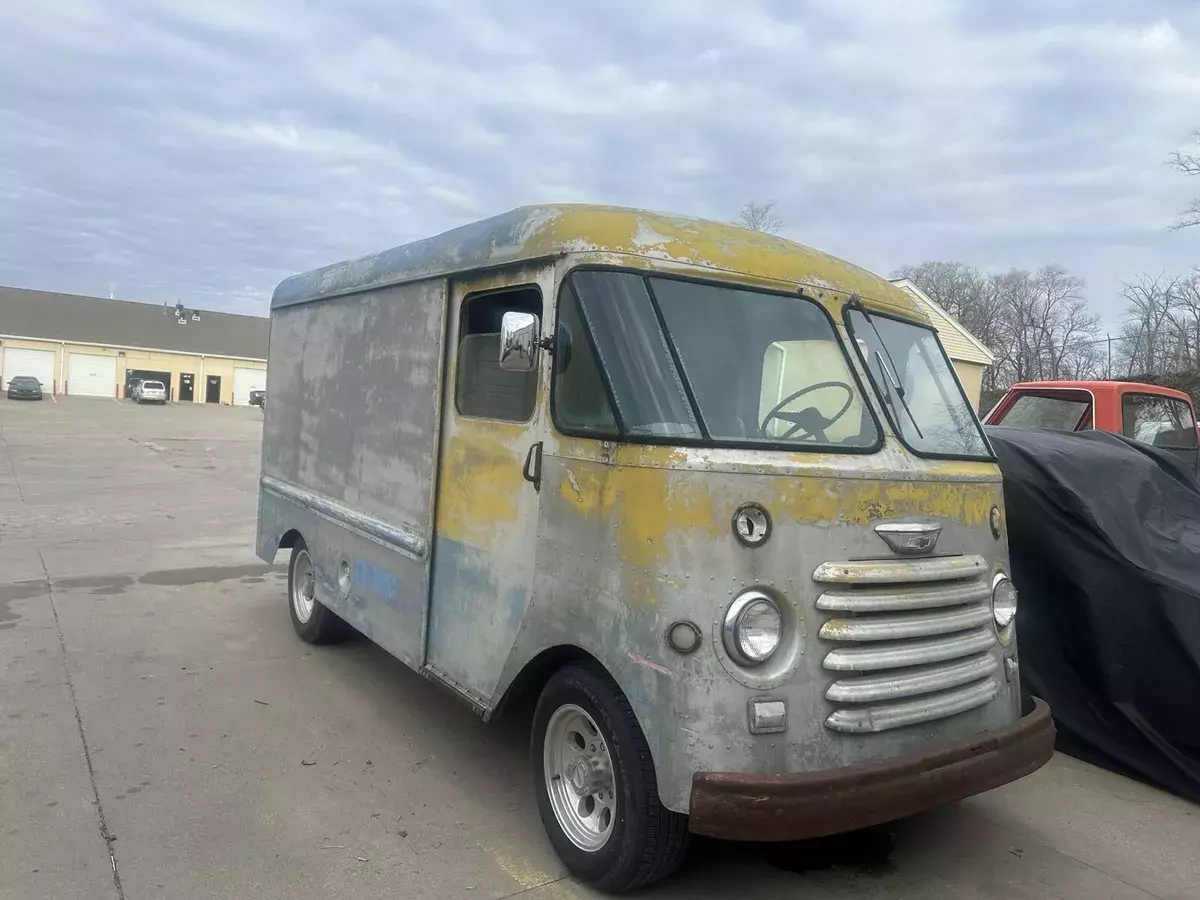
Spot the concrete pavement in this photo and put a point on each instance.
(163, 734)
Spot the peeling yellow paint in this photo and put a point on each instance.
(646, 506)
(824, 501)
(717, 246)
(657, 511)
(480, 481)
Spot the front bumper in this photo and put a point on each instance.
(757, 807)
(20, 395)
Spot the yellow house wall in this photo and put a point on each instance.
(971, 376)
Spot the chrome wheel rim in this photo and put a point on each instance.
(579, 778)
(304, 587)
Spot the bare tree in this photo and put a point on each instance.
(1036, 324)
(1189, 164)
(760, 216)
(1146, 344)
(963, 291)
(1187, 321)
(1161, 333)
(1065, 329)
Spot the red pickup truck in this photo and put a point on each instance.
(1159, 416)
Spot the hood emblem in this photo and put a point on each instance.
(909, 538)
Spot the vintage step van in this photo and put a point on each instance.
(716, 497)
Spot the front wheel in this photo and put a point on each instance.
(313, 621)
(596, 788)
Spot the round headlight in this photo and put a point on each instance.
(1004, 601)
(753, 627)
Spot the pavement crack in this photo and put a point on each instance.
(105, 834)
(534, 887)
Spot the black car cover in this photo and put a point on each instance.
(1104, 535)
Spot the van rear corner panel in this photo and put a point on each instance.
(350, 448)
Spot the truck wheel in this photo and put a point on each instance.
(596, 788)
(314, 622)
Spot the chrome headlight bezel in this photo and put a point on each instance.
(735, 625)
(1004, 601)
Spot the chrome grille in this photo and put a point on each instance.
(913, 640)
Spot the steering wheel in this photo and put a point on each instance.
(808, 422)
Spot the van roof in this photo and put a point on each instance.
(604, 233)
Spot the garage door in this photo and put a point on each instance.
(245, 381)
(38, 363)
(91, 376)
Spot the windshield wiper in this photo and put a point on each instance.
(889, 375)
(891, 381)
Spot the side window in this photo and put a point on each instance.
(581, 402)
(482, 389)
(1158, 421)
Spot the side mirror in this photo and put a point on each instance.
(519, 333)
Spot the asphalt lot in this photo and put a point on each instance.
(163, 733)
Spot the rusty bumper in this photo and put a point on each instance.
(755, 807)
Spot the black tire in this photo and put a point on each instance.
(323, 625)
(648, 842)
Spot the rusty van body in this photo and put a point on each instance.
(717, 496)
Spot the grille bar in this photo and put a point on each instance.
(890, 571)
(882, 717)
(908, 653)
(889, 628)
(908, 683)
(869, 600)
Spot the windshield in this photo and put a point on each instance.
(25, 381)
(152, 385)
(680, 360)
(920, 393)
(1055, 413)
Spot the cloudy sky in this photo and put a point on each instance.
(205, 149)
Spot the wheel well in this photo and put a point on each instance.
(289, 540)
(527, 686)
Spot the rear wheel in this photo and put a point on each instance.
(314, 622)
(596, 788)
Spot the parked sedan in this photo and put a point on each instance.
(150, 392)
(259, 398)
(24, 387)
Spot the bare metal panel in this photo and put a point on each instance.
(350, 444)
(633, 539)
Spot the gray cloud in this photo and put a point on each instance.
(204, 149)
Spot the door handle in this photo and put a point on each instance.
(532, 471)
